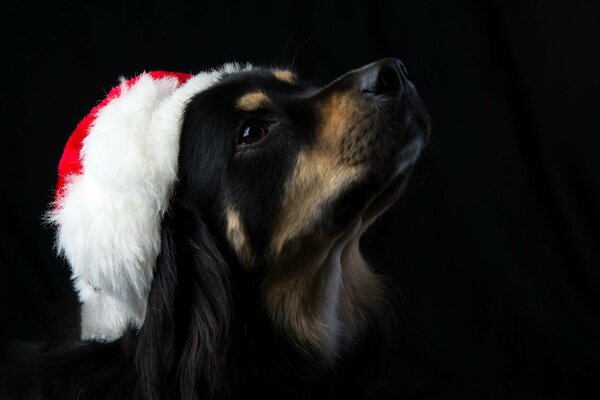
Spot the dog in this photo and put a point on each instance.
(258, 288)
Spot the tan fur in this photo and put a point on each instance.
(319, 174)
(285, 76)
(315, 180)
(338, 116)
(315, 275)
(238, 237)
(362, 290)
(292, 293)
(253, 101)
(297, 290)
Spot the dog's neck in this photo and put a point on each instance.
(322, 291)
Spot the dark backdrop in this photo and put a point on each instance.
(494, 247)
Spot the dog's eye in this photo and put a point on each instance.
(252, 132)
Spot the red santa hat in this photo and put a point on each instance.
(115, 180)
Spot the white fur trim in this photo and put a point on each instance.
(109, 218)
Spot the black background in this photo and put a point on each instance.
(493, 250)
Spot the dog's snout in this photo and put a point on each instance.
(387, 76)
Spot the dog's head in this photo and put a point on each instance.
(224, 210)
(291, 174)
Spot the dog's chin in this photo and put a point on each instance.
(382, 185)
(408, 156)
(398, 176)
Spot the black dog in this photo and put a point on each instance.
(259, 289)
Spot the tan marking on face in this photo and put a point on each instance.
(315, 180)
(338, 114)
(285, 76)
(319, 288)
(238, 237)
(253, 101)
(320, 174)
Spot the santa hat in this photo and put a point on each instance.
(115, 180)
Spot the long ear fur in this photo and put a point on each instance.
(184, 336)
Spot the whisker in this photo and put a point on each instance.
(299, 49)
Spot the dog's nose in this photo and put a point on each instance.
(386, 76)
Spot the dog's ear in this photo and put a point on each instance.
(184, 335)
